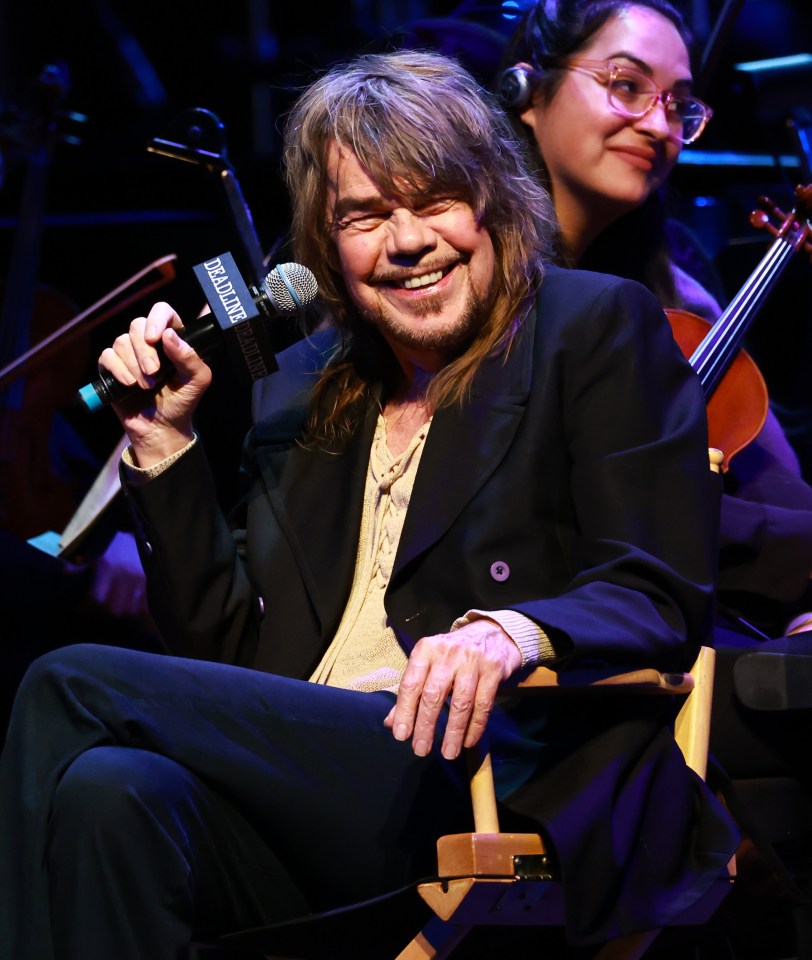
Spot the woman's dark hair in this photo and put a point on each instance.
(553, 29)
(635, 245)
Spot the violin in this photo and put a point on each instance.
(199, 137)
(44, 346)
(28, 483)
(735, 391)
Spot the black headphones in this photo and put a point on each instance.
(516, 86)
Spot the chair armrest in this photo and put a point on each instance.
(646, 680)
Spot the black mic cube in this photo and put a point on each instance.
(245, 330)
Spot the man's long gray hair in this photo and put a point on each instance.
(420, 126)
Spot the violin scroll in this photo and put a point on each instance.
(794, 227)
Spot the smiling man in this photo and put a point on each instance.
(482, 463)
(419, 268)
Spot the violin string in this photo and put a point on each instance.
(707, 357)
(744, 305)
(713, 358)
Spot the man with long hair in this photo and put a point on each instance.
(480, 464)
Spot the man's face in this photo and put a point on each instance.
(421, 272)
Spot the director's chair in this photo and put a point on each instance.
(489, 878)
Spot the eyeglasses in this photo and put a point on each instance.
(632, 94)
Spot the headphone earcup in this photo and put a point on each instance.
(515, 88)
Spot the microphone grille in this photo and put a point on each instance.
(291, 286)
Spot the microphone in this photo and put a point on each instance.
(237, 322)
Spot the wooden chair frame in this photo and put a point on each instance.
(491, 878)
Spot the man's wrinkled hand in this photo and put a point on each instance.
(466, 665)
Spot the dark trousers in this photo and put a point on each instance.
(146, 800)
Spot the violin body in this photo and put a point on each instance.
(734, 388)
(34, 494)
(738, 406)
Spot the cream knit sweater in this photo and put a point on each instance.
(365, 654)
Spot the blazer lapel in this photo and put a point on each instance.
(317, 499)
(465, 445)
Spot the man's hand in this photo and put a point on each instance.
(163, 425)
(469, 664)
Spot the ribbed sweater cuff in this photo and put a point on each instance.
(533, 643)
(136, 474)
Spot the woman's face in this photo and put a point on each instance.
(602, 164)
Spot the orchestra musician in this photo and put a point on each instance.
(602, 92)
(601, 89)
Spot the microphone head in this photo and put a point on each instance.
(290, 287)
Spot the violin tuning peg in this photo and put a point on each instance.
(774, 210)
(804, 198)
(759, 219)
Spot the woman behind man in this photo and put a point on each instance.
(602, 90)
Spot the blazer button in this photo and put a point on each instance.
(500, 570)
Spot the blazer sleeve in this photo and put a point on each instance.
(765, 556)
(200, 594)
(642, 545)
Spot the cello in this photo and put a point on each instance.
(734, 389)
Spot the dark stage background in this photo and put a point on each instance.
(133, 68)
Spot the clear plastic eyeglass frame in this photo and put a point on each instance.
(632, 94)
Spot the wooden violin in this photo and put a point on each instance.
(29, 485)
(44, 348)
(734, 388)
(200, 140)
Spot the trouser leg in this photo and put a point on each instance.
(122, 817)
(348, 811)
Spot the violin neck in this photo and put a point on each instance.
(19, 293)
(715, 353)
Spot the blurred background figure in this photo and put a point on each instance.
(586, 81)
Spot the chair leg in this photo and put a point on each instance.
(434, 942)
(630, 947)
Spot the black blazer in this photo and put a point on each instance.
(579, 464)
